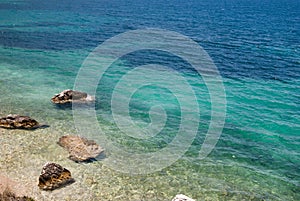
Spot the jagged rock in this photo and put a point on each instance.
(54, 176)
(17, 121)
(69, 96)
(80, 149)
(182, 197)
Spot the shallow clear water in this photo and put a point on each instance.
(255, 46)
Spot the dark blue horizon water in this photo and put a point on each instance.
(254, 44)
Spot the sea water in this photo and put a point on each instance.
(254, 45)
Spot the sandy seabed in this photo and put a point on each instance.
(23, 153)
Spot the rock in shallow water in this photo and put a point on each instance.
(69, 96)
(182, 197)
(54, 176)
(80, 149)
(17, 121)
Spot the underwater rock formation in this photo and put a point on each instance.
(54, 176)
(16, 121)
(79, 148)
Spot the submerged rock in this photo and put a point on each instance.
(79, 148)
(17, 121)
(69, 96)
(182, 197)
(54, 176)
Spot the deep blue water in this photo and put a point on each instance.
(254, 44)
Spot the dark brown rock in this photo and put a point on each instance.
(79, 148)
(69, 96)
(17, 121)
(54, 176)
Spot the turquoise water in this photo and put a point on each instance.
(255, 46)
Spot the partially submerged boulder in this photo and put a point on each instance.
(54, 176)
(79, 148)
(16, 121)
(182, 197)
(69, 96)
